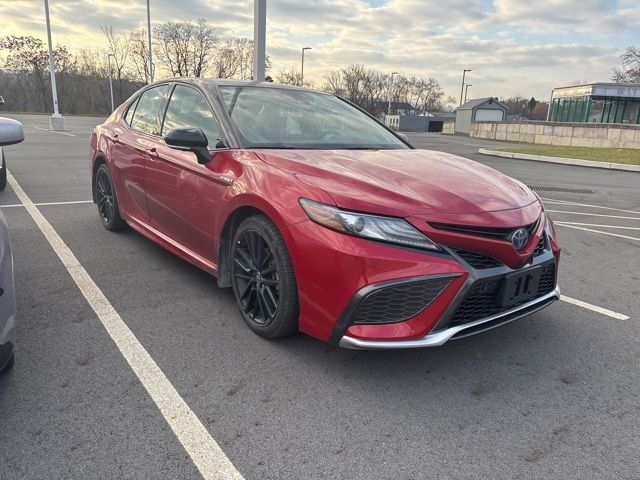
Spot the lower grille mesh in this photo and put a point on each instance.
(482, 299)
(478, 260)
(397, 303)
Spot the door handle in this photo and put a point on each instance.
(114, 138)
(153, 153)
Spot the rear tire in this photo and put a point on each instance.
(263, 280)
(9, 364)
(106, 200)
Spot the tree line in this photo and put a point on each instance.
(179, 49)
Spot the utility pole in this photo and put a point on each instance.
(391, 91)
(302, 69)
(151, 69)
(466, 89)
(56, 121)
(259, 38)
(109, 55)
(464, 72)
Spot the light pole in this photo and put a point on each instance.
(466, 89)
(259, 38)
(464, 72)
(56, 121)
(151, 72)
(302, 66)
(109, 55)
(391, 91)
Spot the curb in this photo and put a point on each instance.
(561, 160)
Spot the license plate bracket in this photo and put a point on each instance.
(519, 287)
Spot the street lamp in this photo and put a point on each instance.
(391, 91)
(109, 55)
(466, 89)
(302, 66)
(56, 122)
(149, 38)
(259, 38)
(462, 89)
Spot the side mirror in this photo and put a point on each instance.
(10, 131)
(190, 139)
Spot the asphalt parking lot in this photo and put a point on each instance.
(551, 396)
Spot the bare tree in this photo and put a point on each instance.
(184, 48)
(234, 59)
(139, 55)
(629, 71)
(28, 58)
(292, 77)
(118, 46)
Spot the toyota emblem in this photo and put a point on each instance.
(519, 238)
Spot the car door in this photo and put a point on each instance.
(131, 140)
(182, 194)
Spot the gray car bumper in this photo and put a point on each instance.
(7, 296)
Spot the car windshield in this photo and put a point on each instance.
(288, 118)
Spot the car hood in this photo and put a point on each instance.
(403, 182)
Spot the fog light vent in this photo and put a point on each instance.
(399, 302)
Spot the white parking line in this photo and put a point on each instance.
(564, 202)
(53, 131)
(559, 222)
(75, 202)
(594, 308)
(592, 214)
(205, 453)
(597, 231)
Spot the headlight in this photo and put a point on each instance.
(384, 229)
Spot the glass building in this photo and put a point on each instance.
(596, 103)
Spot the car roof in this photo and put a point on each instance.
(226, 82)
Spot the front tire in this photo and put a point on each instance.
(9, 364)
(3, 174)
(263, 280)
(106, 200)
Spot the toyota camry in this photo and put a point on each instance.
(320, 218)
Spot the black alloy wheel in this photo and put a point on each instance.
(106, 200)
(263, 280)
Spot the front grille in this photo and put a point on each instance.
(482, 299)
(478, 260)
(541, 247)
(399, 302)
(502, 233)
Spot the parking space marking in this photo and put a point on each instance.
(43, 204)
(594, 308)
(592, 214)
(203, 450)
(565, 202)
(53, 131)
(597, 231)
(559, 222)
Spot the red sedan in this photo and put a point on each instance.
(320, 218)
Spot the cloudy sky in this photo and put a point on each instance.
(514, 47)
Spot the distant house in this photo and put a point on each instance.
(478, 110)
(429, 122)
(380, 108)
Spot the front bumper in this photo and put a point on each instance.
(440, 337)
(342, 280)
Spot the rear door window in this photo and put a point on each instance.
(146, 113)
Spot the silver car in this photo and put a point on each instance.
(10, 133)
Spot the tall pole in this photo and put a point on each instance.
(464, 72)
(110, 80)
(56, 122)
(259, 38)
(466, 89)
(391, 91)
(151, 69)
(302, 66)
